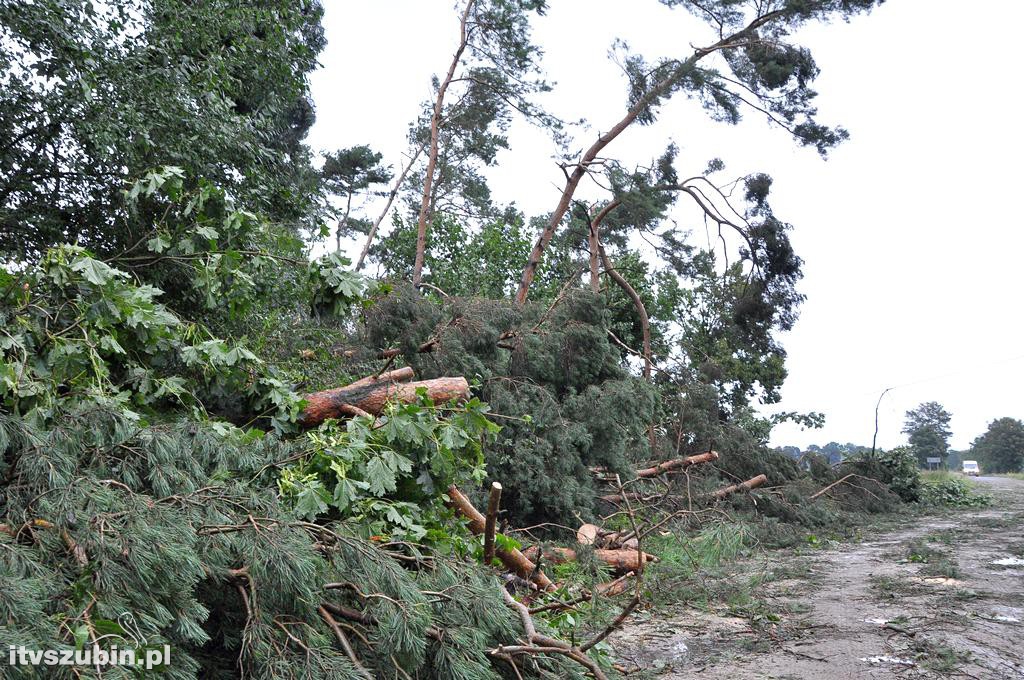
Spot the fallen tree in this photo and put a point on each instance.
(368, 396)
(752, 483)
(676, 464)
(620, 561)
(512, 558)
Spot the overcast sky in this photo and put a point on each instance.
(911, 237)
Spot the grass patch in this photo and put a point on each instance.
(919, 552)
(893, 588)
(959, 596)
(995, 522)
(949, 536)
(945, 567)
(934, 561)
(938, 657)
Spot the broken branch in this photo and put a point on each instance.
(738, 488)
(491, 521)
(514, 560)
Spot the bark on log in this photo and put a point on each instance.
(737, 488)
(677, 464)
(398, 375)
(372, 396)
(514, 560)
(621, 561)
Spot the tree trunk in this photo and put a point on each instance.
(435, 126)
(591, 154)
(491, 521)
(621, 561)
(737, 488)
(595, 282)
(677, 464)
(373, 395)
(645, 326)
(514, 560)
(387, 207)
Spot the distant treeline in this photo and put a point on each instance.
(833, 451)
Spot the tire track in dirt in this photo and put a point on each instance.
(867, 611)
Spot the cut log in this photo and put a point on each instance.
(514, 560)
(738, 488)
(372, 396)
(677, 464)
(621, 561)
(587, 534)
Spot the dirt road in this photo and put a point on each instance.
(940, 598)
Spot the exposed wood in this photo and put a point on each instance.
(621, 561)
(490, 522)
(835, 483)
(738, 488)
(587, 534)
(595, 274)
(513, 559)
(616, 587)
(13, 532)
(677, 464)
(372, 396)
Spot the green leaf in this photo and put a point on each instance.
(81, 634)
(380, 476)
(158, 244)
(347, 492)
(311, 501)
(94, 271)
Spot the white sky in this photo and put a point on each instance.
(912, 248)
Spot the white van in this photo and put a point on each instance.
(971, 468)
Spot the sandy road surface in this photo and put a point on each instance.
(942, 597)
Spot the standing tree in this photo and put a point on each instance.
(1001, 448)
(94, 95)
(493, 73)
(750, 63)
(927, 426)
(348, 173)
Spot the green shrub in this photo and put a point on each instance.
(950, 490)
